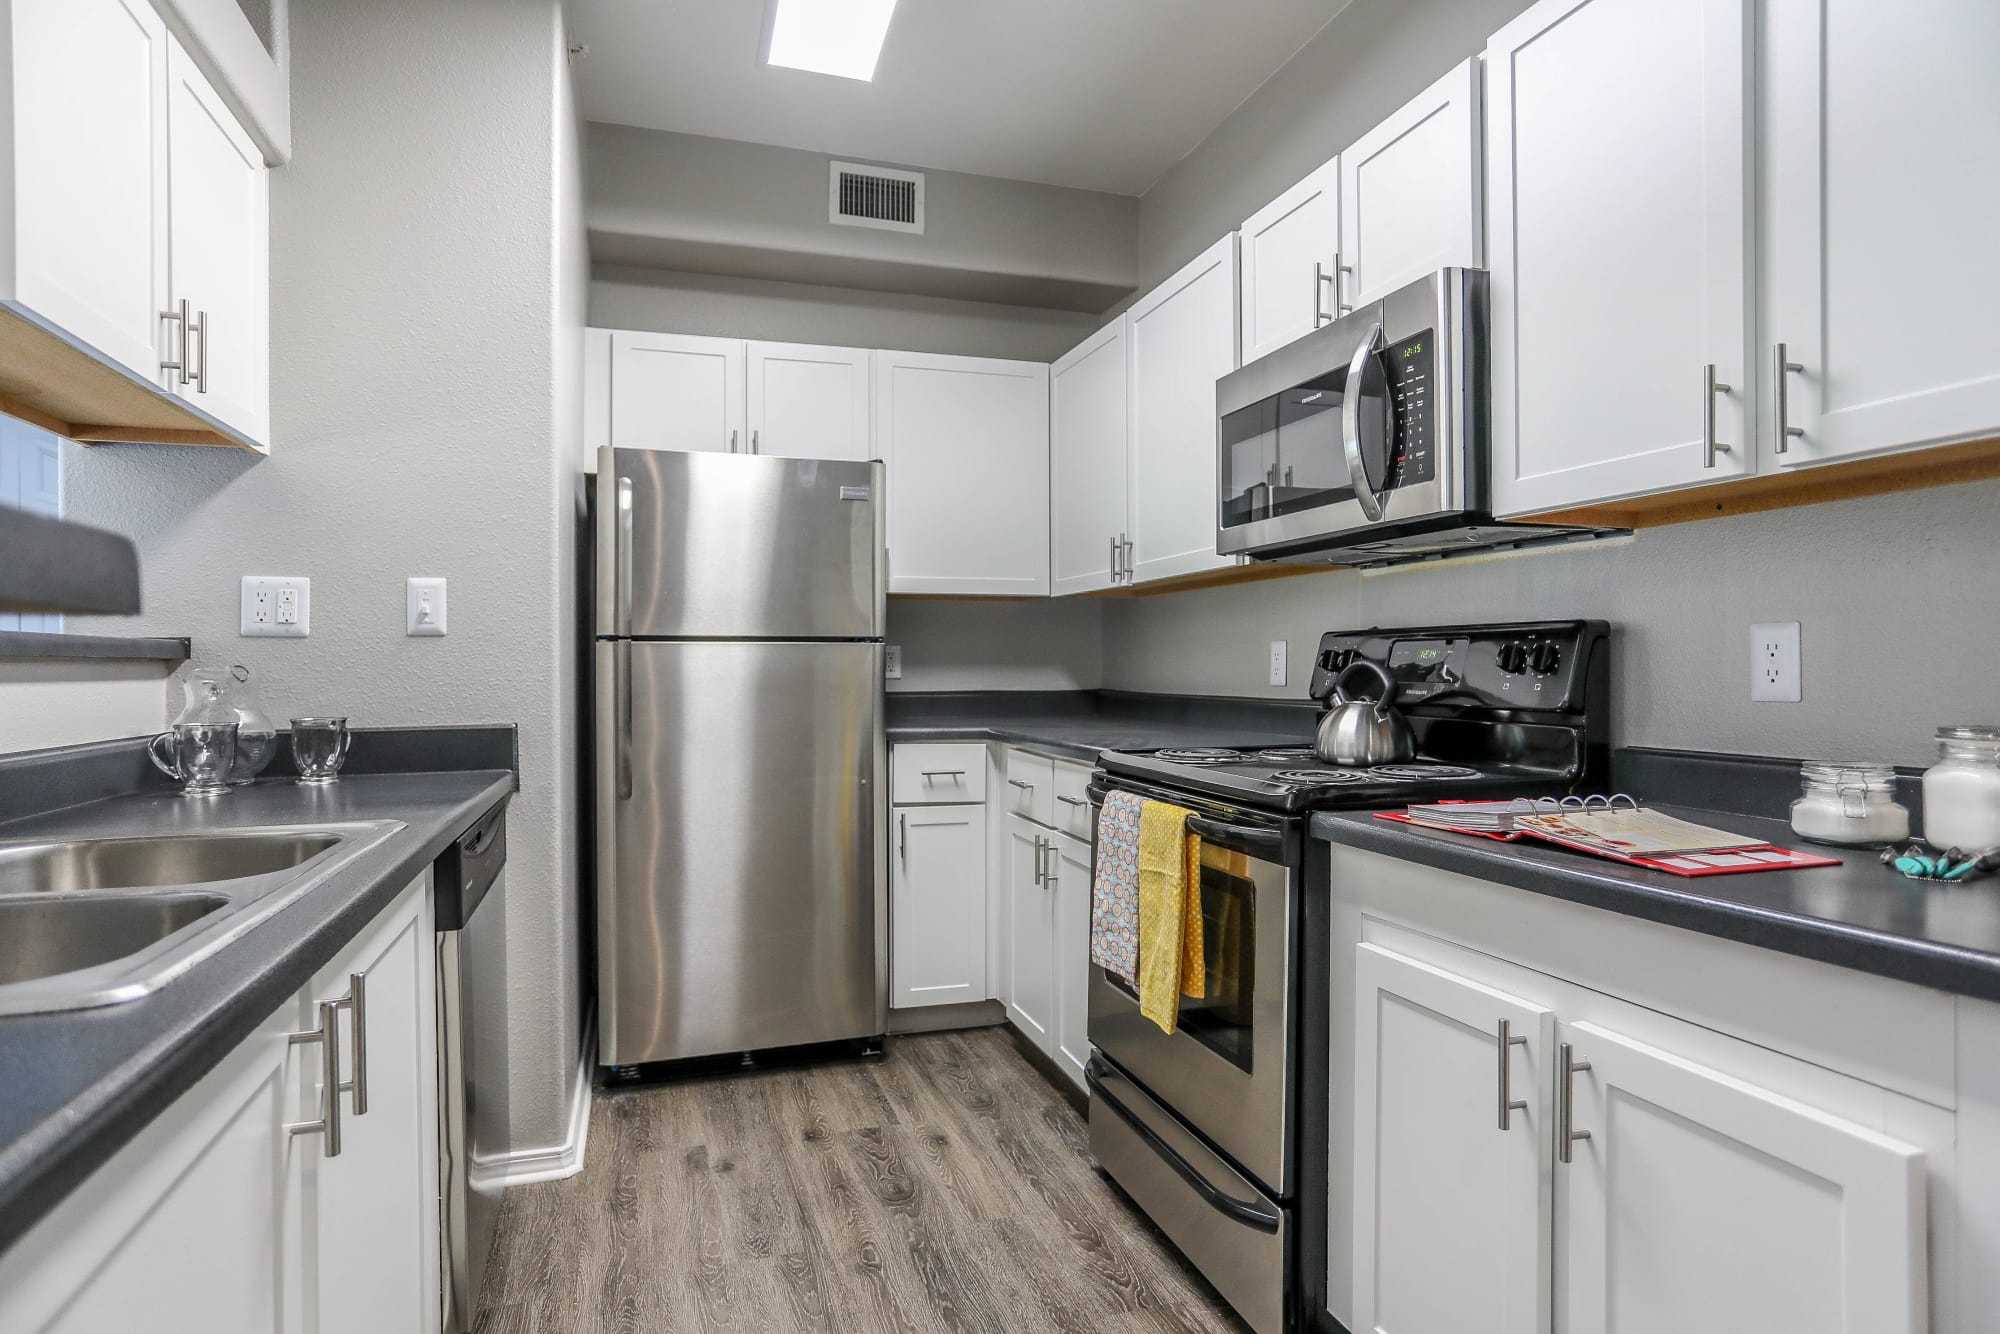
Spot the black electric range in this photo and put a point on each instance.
(1218, 1129)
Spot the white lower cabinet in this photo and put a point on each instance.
(218, 1218)
(1030, 919)
(1667, 1183)
(1069, 876)
(937, 906)
(1450, 1204)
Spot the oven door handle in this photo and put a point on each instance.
(1264, 844)
(1249, 1215)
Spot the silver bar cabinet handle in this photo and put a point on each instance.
(1114, 560)
(1567, 1066)
(754, 447)
(1025, 787)
(1783, 368)
(1074, 801)
(179, 363)
(328, 1036)
(1125, 545)
(1038, 859)
(903, 837)
(732, 442)
(1509, 1104)
(1710, 445)
(1322, 278)
(355, 1002)
(1048, 862)
(200, 329)
(1340, 286)
(942, 773)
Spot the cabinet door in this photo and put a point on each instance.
(966, 440)
(375, 1204)
(1882, 176)
(809, 402)
(1030, 934)
(89, 139)
(1451, 1226)
(937, 909)
(1619, 236)
(1070, 870)
(1410, 192)
(1700, 1201)
(1181, 339)
(1087, 454)
(677, 391)
(1291, 263)
(220, 265)
(193, 1227)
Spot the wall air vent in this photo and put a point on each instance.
(860, 196)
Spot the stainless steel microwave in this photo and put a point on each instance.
(1365, 442)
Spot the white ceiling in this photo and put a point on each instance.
(1097, 94)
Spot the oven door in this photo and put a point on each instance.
(1226, 1069)
(1361, 428)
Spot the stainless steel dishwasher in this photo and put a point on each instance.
(472, 1056)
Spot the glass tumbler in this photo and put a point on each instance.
(198, 755)
(319, 746)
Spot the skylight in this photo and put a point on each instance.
(838, 37)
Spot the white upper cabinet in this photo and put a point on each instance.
(1881, 181)
(1700, 1201)
(1087, 449)
(809, 402)
(219, 192)
(1617, 132)
(1291, 278)
(1180, 339)
(677, 391)
(966, 441)
(1449, 1124)
(89, 190)
(1410, 193)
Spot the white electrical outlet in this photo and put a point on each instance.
(1277, 677)
(423, 607)
(276, 607)
(1774, 662)
(892, 661)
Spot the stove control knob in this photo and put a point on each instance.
(1545, 658)
(1512, 657)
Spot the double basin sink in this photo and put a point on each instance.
(88, 922)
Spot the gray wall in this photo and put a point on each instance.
(1897, 635)
(695, 204)
(426, 296)
(1898, 629)
(732, 307)
(1032, 644)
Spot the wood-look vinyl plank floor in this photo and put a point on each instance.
(946, 1187)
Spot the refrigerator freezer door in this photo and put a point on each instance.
(742, 875)
(738, 546)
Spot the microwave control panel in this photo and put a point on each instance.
(1410, 366)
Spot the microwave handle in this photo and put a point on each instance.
(1350, 426)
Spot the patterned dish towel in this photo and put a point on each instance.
(1114, 897)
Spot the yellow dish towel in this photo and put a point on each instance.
(1170, 935)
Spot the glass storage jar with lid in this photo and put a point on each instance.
(1851, 805)
(1962, 790)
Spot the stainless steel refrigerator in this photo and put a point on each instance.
(740, 764)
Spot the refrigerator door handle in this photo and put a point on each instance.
(621, 673)
(624, 589)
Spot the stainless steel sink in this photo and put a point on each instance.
(88, 922)
(173, 859)
(41, 937)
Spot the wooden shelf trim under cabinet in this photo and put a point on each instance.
(52, 384)
(1911, 470)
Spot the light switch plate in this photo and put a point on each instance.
(423, 607)
(1277, 675)
(892, 662)
(1774, 662)
(276, 607)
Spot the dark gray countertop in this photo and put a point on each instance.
(1859, 915)
(1079, 724)
(74, 1087)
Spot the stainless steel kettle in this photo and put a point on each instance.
(1364, 731)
